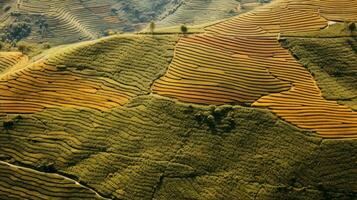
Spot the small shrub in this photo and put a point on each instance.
(352, 26)
(46, 46)
(184, 29)
(23, 47)
(6, 8)
(8, 125)
(114, 11)
(232, 12)
(337, 72)
(152, 27)
(109, 32)
(211, 121)
(61, 68)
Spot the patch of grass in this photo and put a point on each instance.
(155, 147)
(332, 61)
(339, 29)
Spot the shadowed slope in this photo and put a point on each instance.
(156, 148)
(333, 62)
(39, 185)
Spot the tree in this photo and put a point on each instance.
(352, 26)
(6, 8)
(17, 31)
(152, 27)
(184, 29)
(43, 25)
(23, 47)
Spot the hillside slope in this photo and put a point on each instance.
(67, 21)
(154, 148)
(60, 22)
(194, 12)
(224, 114)
(240, 61)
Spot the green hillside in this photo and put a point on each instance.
(194, 12)
(331, 57)
(260, 104)
(156, 148)
(66, 21)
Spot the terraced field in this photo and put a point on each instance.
(226, 114)
(39, 185)
(332, 61)
(98, 70)
(161, 149)
(240, 61)
(203, 11)
(11, 61)
(67, 21)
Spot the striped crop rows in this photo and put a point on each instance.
(217, 70)
(124, 153)
(19, 182)
(199, 11)
(90, 75)
(240, 61)
(154, 147)
(11, 61)
(70, 20)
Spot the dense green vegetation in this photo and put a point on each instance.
(133, 61)
(83, 121)
(156, 148)
(332, 62)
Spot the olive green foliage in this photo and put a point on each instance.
(352, 26)
(332, 61)
(133, 61)
(109, 32)
(42, 25)
(152, 27)
(217, 119)
(16, 31)
(203, 11)
(33, 182)
(157, 148)
(23, 47)
(184, 29)
(11, 121)
(154, 148)
(6, 8)
(340, 29)
(142, 11)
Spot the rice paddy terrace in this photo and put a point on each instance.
(240, 61)
(225, 114)
(203, 11)
(67, 21)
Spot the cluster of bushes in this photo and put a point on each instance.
(16, 31)
(10, 123)
(109, 32)
(218, 119)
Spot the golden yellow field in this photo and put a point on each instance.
(240, 61)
